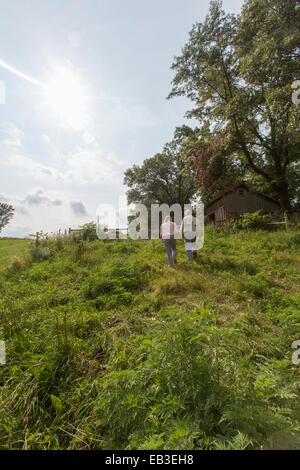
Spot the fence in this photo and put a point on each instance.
(289, 220)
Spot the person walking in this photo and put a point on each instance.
(188, 228)
(168, 231)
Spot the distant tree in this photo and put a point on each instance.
(88, 231)
(239, 72)
(164, 178)
(6, 213)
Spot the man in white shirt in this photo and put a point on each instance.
(168, 231)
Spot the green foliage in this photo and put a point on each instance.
(255, 220)
(115, 283)
(181, 387)
(41, 253)
(56, 402)
(6, 214)
(113, 350)
(10, 250)
(238, 70)
(88, 232)
(164, 178)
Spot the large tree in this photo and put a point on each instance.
(214, 173)
(163, 178)
(239, 72)
(6, 213)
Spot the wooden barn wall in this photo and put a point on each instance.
(220, 214)
(213, 207)
(248, 202)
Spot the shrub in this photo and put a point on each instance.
(88, 232)
(186, 386)
(254, 221)
(39, 272)
(212, 370)
(20, 263)
(256, 285)
(116, 281)
(41, 253)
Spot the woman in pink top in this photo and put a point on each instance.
(168, 230)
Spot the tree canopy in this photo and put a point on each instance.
(6, 213)
(163, 178)
(239, 72)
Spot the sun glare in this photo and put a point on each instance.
(66, 96)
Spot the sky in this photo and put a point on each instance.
(83, 87)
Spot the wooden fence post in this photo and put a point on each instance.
(37, 240)
(286, 219)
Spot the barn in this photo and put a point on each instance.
(237, 202)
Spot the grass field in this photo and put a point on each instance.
(11, 248)
(108, 348)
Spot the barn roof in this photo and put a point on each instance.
(244, 186)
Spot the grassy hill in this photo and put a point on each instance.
(110, 349)
(10, 248)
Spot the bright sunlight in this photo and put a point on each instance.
(66, 96)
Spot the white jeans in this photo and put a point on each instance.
(190, 247)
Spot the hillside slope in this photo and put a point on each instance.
(11, 248)
(110, 348)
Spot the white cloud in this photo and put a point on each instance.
(74, 39)
(21, 210)
(91, 166)
(45, 210)
(13, 155)
(22, 163)
(75, 178)
(86, 165)
(12, 135)
(16, 231)
(39, 197)
(88, 138)
(3, 198)
(45, 139)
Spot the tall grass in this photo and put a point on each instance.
(112, 349)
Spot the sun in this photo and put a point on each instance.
(66, 96)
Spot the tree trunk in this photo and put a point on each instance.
(284, 197)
